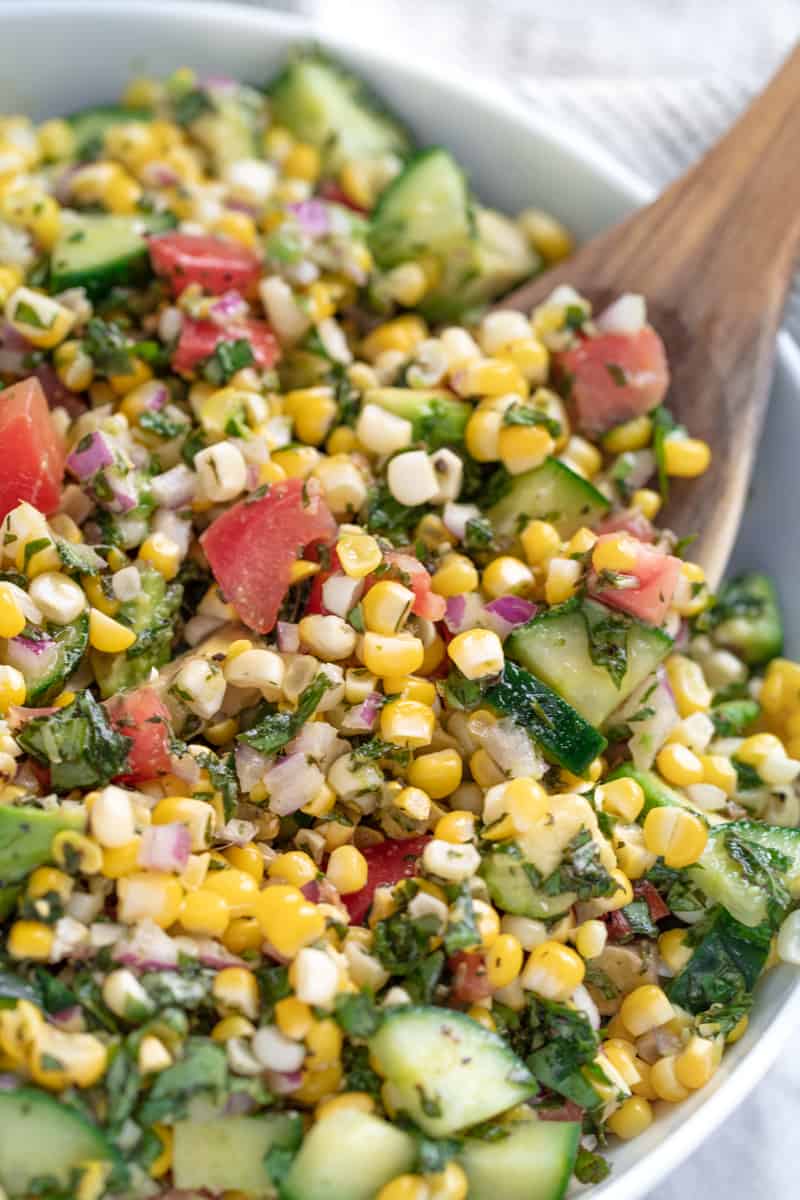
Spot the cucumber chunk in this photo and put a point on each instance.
(534, 1162)
(227, 1154)
(44, 1139)
(228, 131)
(513, 890)
(747, 619)
(348, 1155)
(561, 732)
(26, 835)
(89, 125)
(555, 646)
(151, 615)
(723, 879)
(437, 417)
(551, 492)
(448, 1072)
(46, 672)
(426, 209)
(322, 103)
(97, 251)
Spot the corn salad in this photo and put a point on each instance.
(387, 807)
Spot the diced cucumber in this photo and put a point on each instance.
(733, 717)
(26, 835)
(555, 646)
(447, 1071)
(227, 1154)
(151, 615)
(43, 1138)
(534, 1162)
(501, 257)
(426, 209)
(97, 251)
(513, 890)
(322, 103)
(561, 732)
(438, 418)
(657, 794)
(46, 673)
(348, 1155)
(551, 492)
(228, 132)
(747, 618)
(724, 967)
(89, 125)
(724, 880)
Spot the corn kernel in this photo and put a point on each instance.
(540, 542)
(622, 798)
(692, 693)
(402, 334)
(205, 913)
(477, 653)
(407, 723)
(632, 1118)
(236, 988)
(107, 635)
(237, 888)
(242, 934)
(359, 554)
(563, 577)
(347, 870)
(506, 575)
(676, 835)
(12, 688)
(30, 939)
(665, 1082)
(524, 447)
(674, 949)
(384, 656)
(386, 607)
(438, 773)
(503, 960)
(405, 1187)
(615, 552)
(553, 971)
(457, 827)
(679, 765)
(288, 921)
(719, 772)
(293, 1017)
(645, 1008)
(590, 939)
(647, 501)
(686, 457)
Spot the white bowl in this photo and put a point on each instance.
(64, 54)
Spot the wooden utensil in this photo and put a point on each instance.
(713, 256)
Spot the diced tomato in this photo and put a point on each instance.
(426, 603)
(567, 1110)
(252, 546)
(31, 451)
(618, 926)
(199, 339)
(614, 377)
(658, 576)
(643, 889)
(628, 520)
(387, 863)
(144, 718)
(470, 978)
(185, 258)
(314, 604)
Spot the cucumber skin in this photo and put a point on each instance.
(24, 1115)
(762, 638)
(721, 880)
(386, 235)
(73, 640)
(37, 827)
(585, 504)
(437, 417)
(532, 1184)
(512, 890)
(128, 268)
(657, 794)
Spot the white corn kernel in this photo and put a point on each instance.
(449, 470)
(459, 346)
(250, 180)
(316, 977)
(111, 819)
(200, 684)
(330, 637)
(342, 485)
(57, 596)
(276, 1051)
(499, 329)
(382, 432)
(256, 668)
(285, 314)
(126, 583)
(450, 861)
(222, 472)
(340, 593)
(788, 945)
(412, 478)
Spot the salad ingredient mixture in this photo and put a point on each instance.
(387, 807)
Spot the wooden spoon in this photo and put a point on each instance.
(713, 256)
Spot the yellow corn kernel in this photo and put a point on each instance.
(590, 939)
(30, 939)
(582, 457)
(563, 576)
(540, 542)
(237, 888)
(12, 688)
(523, 447)
(450, 1184)
(288, 921)
(753, 750)
(665, 1082)
(485, 771)
(410, 687)
(676, 835)
(674, 949)
(120, 860)
(341, 441)
(248, 859)
(324, 1040)
(294, 1018)
(347, 870)
(615, 552)
(346, 1101)
(455, 576)
(93, 587)
(647, 501)
(56, 140)
(482, 435)
(121, 385)
(679, 765)
(68, 848)
(35, 210)
(197, 815)
(82, 1059)
(39, 318)
(73, 366)
(457, 827)
(386, 607)
(621, 1053)
(720, 772)
(433, 656)
(780, 693)
(553, 971)
(108, 635)
(622, 798)
(295, 867)
(686, 457)
(633, 1117)
(547, 235)
(402, 334)
(204, 912)
(149, 894)
(302, 162)
(407, 723)
(47, 880)
(405, 1187)
(10, 279)
(438, 773)
(489, 377)
(530, 356)
(738, 1031)
(384, 656)
(645, 1008)
(359, 554)
(298, 461)
(505, 576)
(243, 934)
(235, 989)
(632, 435)
(692, 693)
(477, 653)
(322, 803)
(694, 1066)
(504, 960)
(237, 227)
(162, 553)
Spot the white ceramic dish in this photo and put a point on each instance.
(62, 54)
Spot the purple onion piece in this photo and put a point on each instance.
(313, 217)
(514, 610)
(165, 847)
(91, 454)
(288, 637)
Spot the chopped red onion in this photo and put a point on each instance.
(231, 306)
(9, 1082)
(292, 783)
(165, 847)
(282, 1083)
(316, 740)
(455, 518)
(18, 715)
(288, 637)
(238, 832)
(66, 1016)
(35, 658)
(512, 610)
(91, 454)
(147, 948)
(649, 734)
(159, 174)
(250, 766)
(239, 1104)
(312, 216)
(463, 612)
(628, 520)
(186, 767)
(174, 488)
(362, 717)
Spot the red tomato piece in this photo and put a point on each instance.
(314, 604)
(618, 926)
(426, 603)
(658, 575)
(199, 339)
(643, 889)
(144, 718)
(252, 546)
(614, 377)
(185, 258)
(387, 863)
(32, 453)
(470, 978)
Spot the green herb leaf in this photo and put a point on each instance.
(203, 1068)
(109, 347)
(226, 360)
(358, 1014)
(608, 640)
(581, 871)
(189, 107)
(274, 731)
(78, 744)
(161, 424)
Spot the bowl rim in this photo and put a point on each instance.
(651, 1169)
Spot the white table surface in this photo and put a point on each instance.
(654, 82)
